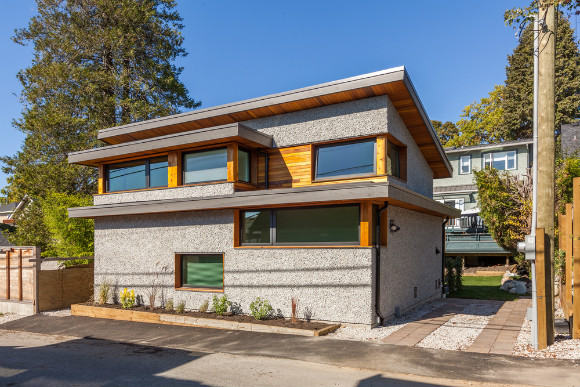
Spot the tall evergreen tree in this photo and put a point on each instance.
(97, 64)
(519, 86)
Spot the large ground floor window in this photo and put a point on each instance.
(333, 225)
(199, 271)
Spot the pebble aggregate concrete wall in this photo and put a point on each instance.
(346, 120)
(332, 284)
(409, 260)
(165, 193)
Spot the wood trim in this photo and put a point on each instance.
(575, 328)
(305, 247)
(178, 273)
(201, 290)
(384, 226)
(568, 239)
(174, 175)
(542, 252)
(8, 258)
(101, 181)
(237, 231)
(243, 186)
(366, 226)
(232, 162)
(381, 157)
(20, 274)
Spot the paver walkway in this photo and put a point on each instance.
(500, 334)
(412, 333)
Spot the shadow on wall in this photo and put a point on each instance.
(88, 361)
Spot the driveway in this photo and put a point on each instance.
(128, 353)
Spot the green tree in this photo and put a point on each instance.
(480, 122)
(445, 131)
(97, 64)
(519, 85)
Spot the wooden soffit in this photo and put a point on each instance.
(394, 83)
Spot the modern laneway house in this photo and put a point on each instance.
(287, 195)
(468, 236)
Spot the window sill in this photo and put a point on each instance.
(306, 247)
(353, 177)
(200, 290)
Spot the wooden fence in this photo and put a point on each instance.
(22, 280)
(569, 241)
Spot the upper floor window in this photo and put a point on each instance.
(465, 165)
(393, 160)
(345, 159)
(204, 166)
(243, 165)
(500, 160)
(138, 174)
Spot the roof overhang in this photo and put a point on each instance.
(215, 135)
(313, 195)
(394, 83)
(489, 146)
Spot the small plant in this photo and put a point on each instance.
(204, 306)
(220, 304)
(127, 298)
(104, 290)
(294, 301)
(261, 309)
(169, 305)
(180, 308)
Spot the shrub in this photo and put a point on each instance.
(261, 309)
(204, 306)
(220, 304)
(104, 290)
(180, 307)
(169, 305)
(294, 302)
(454, 273)
(127, 298)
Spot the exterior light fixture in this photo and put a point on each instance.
(393, 227)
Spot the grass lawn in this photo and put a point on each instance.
(483, 288)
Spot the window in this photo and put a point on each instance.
(301, 226)
(200, 271)
(243, 165)
(345, 159)
(393, 160)
(500, 160)
(205, 166)
(138, 174)
(465, 165)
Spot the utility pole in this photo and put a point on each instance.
(546, 170)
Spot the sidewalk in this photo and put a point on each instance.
(477, 367)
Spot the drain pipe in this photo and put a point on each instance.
(380, 317)
(266, 163)
(443, 234)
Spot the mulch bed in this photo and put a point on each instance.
(242, 318)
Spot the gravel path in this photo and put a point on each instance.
(4, 318)
(359, 333)
(563, 348)
(460, 331)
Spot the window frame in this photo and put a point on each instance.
(491, 156)
(461, 164)
(147, 174)
(273, 228)
(250, 174)
(179, 273)
(183, 164)
(317, 147)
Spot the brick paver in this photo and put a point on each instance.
(500, 334)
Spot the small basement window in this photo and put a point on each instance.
(200, 271)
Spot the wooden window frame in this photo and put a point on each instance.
(362, 242)
(179, 278)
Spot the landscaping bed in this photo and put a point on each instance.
(204, 319)
(483, 288)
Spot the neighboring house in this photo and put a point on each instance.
(467, 236)
(281, 196)
(6, 212)
(571, 139)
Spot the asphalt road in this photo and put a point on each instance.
(33, 359)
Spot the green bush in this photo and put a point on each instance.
(454, 273)
(204, 307)
(180, 308)
(169, 305)
(261, 309)
(220, 304)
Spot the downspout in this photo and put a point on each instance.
(266, 163)
(380, 317)
(443, 234)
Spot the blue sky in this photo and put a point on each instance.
(455, 51)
